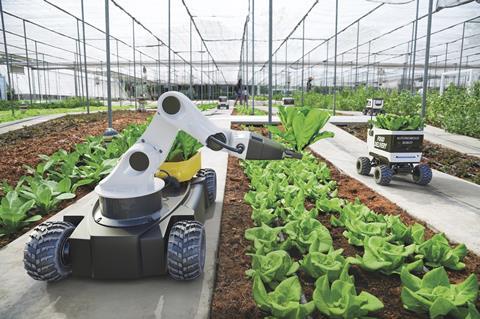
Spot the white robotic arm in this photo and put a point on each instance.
(134, 174)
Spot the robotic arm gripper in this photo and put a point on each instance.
(134, 174)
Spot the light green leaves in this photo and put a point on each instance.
(284, 300)
(394, 122)
(317, 264)
(14, 213)
(388, 258)
(183, 148)
(437, 252)
(302, 126)
(264, 238)
(304, 232)
(433, 294)
(273, 267)
(46, 194)
(340, 300)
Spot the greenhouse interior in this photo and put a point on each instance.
(241, 159)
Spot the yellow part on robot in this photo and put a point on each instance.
(183, 171)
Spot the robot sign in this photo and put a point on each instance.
(399, 143)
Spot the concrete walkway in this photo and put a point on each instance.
(159, 297)
(448, 204)
(460, 143)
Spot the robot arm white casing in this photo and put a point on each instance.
(134, 174)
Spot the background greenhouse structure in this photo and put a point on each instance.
(240, 159)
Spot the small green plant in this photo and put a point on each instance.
(435, 295)
(394, 122)
(302, 126)
(284, 301)
(264, 238)
(340, 299)
(317, 264)
(437, 252)
(14, 213)
(183, 148)
(47, 194)
(272, 268)
(386, 257)
(303, 233)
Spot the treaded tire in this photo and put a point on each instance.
(364, 166)
(186, 250)
(43, 253)
(211, 180)
(382, 175)
(422, 174)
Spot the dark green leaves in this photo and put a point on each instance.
(394, 122)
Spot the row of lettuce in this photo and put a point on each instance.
(70, 102)
(279, 192)
(58, 176)
(457, 110)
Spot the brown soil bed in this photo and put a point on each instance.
(232, 297)
(22, 147)
(436, 156)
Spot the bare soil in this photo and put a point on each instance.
(436, 156)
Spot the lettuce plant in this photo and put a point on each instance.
(433, 294)
(47, 194)
(273, 267)
(302, 126)
(284, 301)
(388, 258)
(265, 238)
(263, 215)
(14, 213)
(340, 299)
(402, 233)
(304, 232)
(394, 122)
(183, 148)
(437, 252)
(317, 264)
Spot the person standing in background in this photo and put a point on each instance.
(238, 92)
(309, 84)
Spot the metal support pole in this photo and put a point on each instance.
(45, 78)
(109, 81)
(287, 86)
(201, 71)
(427, 58)
(446, 55)
(169, 49)
(159, 73)
(415, 48)
(80, 60)
(118, 77)
(326, 65)
(303, 61)
(134, 66)
(356, 54)
(368, 61)
(7, 60)
(38, 73)
(335, 60)
(28, 62)
(75, 78)
(253, 57)
(461, 55)
(436, 67)
(141, 76)
(246, 66)
(343, 79)
(270, 41)
(85, 57)
(191, 70)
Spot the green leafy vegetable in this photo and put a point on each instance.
(304, 232)
(302, 126)
(433, 294)
(273, 267)
(183, 148)
(317, 264)
(340, 299)
(284, 301)
(386, 257)
(437, 252)
(14, 213)
(47, 194)
(265, 238)
(394, 122)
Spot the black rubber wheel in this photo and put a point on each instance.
(45, 256)
(364, 166)
(422, 174)
(186, 250)
(211, 180)
(382, 175)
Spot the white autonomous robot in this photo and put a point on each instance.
(140, 225)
